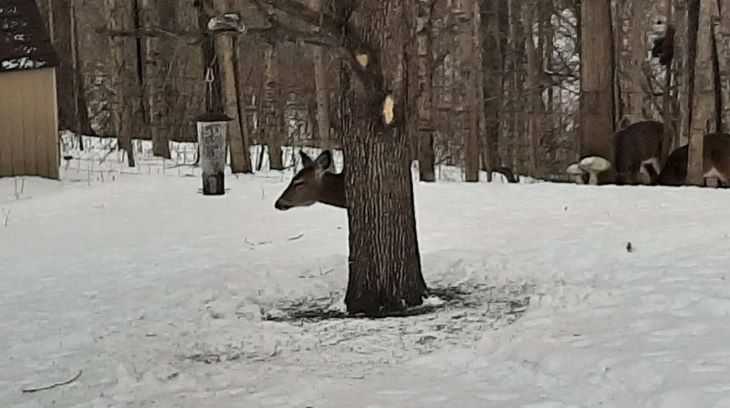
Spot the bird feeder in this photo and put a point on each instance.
(212, 129)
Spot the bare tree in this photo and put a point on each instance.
(424, 89)
(321, 87)
(596, 99)
(127, 115)
(226, 47)
(493, 12)
(703, 97)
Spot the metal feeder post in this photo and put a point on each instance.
(213, 126)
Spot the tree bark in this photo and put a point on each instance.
(469, 67)
(62, 42)
(321, 89)
(424, 91)
(273, 117)
(385, 268)
(634, 108)
(126, 113)
(722, 36)
(493, 68)
(158, 55)
(596, 98)
(703, 98)
(536, 109)
(226, 51)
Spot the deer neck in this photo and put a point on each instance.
(333, 190)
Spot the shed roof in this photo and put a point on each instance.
(24, 42)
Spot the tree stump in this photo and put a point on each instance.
(212, 129)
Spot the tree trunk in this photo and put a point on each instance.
(226, 47)
(634, 108)
(493, 68)
(596, 98)
(321, 89)
(536, 109)
(516, 68)
(424, 91)
(273, 117)
(683, 68)
(385, 268)
(126, 115)
(469, 67)
(158, 55)
(62, 42)
(703, 98)
(722, 36)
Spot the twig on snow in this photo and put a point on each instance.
(48, 387)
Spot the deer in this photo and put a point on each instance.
(638, 147)
(316, 182)
(715, 162)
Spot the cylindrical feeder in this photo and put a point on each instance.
(212, 129)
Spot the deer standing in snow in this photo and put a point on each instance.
(715, 162)
(639, 149)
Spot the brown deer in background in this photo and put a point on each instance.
(716, 162)
(641, 145)
(315, 182)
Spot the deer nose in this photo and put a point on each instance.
(279, 205)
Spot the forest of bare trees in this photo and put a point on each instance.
(557, 90)
(495, 83)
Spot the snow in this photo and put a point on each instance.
(164, 297)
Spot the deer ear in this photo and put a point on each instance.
(324, 160)
(306, 160)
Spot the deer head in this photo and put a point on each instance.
(315, 182)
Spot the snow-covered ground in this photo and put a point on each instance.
(163, 297)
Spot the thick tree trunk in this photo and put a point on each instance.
(424, 91)
(596, 99)
(703, 98)
(385, 269)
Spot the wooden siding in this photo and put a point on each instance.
(29, 124)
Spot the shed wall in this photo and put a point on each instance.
(29, 124)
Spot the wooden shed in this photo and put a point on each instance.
(29, 141)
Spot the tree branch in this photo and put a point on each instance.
(360, 55)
